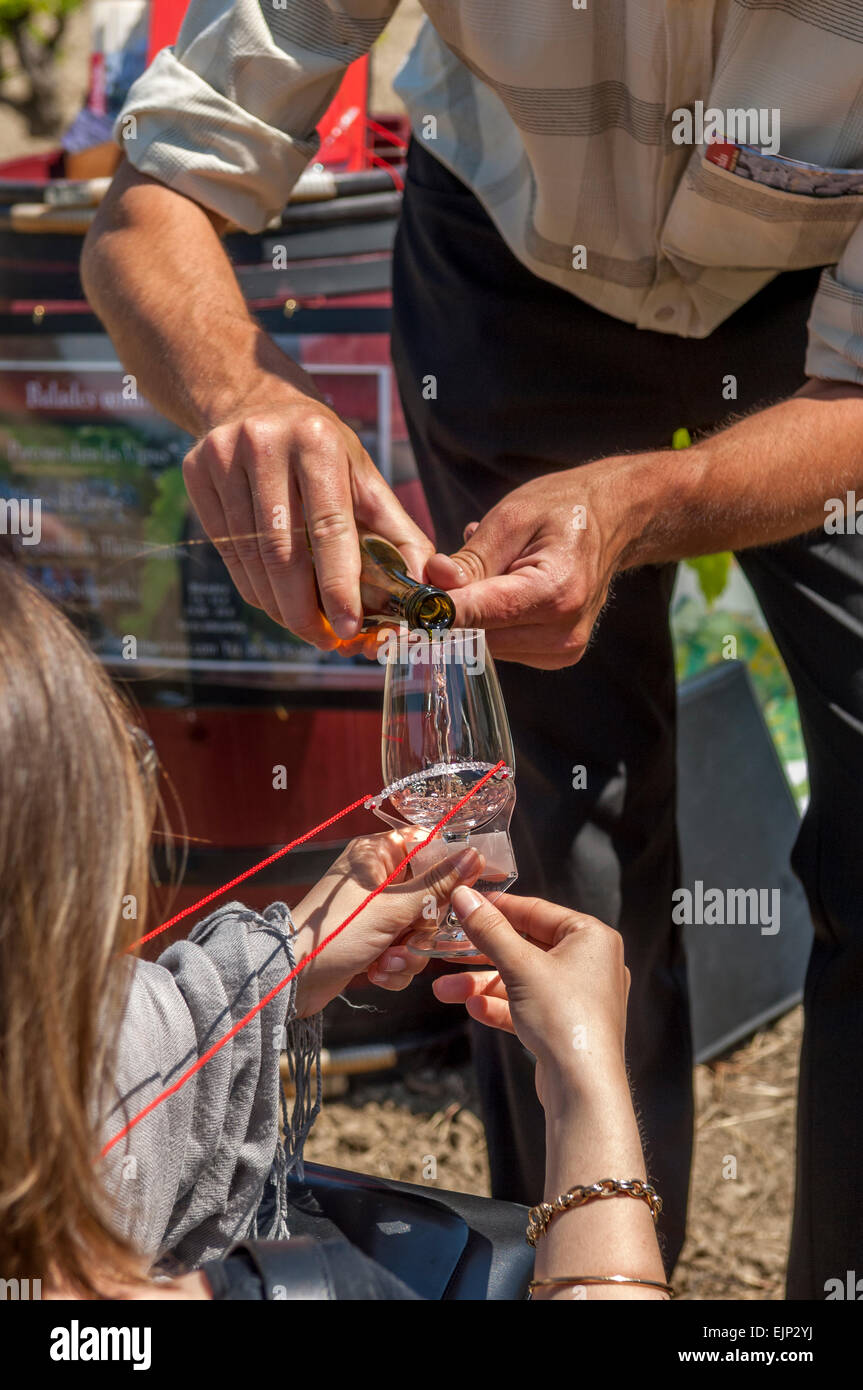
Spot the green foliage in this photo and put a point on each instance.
(163, 527)
(700, 641)
(33, 31)
(713, 574)
(13, 13)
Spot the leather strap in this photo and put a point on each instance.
(293, 1269)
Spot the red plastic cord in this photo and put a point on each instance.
(247, 873)
(232, 1032)
(384, 133)
(377, 160)
(398, 181)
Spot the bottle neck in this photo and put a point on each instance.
(388, 591)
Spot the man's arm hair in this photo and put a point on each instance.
(155, 271)
(761, 479)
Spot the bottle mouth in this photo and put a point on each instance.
(430, 608)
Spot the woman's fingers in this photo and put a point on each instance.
(494, 1013)
(421, 899)
(369, 859)
(467, 984)
(483, 994)
(543, 922)
(414, 901)
(395, 846)
(396, 968)
(491, 933)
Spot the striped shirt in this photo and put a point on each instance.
(565, 122)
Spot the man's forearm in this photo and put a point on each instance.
(762, 479)
(273, 471)
(155, 271)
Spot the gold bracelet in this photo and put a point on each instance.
(599, 1279)
(538, 1217)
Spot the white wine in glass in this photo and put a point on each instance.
(444, 728)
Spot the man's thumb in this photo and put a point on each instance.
(490, 932)
(488, 550)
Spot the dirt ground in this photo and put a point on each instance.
(742, 1187)
(745, 1103)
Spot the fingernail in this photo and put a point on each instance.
(393, 963)
(466, 862)
(454, 564)
(345, 626)
(465, 902)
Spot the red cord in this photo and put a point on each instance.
(398, 181)
(271, 859)
(232, 1032)
(385, 133)
(377, 160)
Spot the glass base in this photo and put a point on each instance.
(447, 943)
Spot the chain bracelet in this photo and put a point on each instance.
(539, 1216)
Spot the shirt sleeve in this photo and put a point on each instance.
(187, 1181)
(228, 115)
(835, 349)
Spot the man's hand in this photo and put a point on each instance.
(271, 457)
(260, 481)
(536, 570)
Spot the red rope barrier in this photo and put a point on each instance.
(247, 873)
(232, 1032)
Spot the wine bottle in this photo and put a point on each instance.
(389, 593)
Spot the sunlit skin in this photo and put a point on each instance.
(155, 271)
(551, 970)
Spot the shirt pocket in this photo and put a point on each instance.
(717, 218)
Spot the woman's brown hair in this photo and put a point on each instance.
(75, 822)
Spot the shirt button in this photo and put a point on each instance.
(666, 312)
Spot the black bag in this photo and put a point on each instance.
(359, 1237)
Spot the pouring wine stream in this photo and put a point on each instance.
(444, 728)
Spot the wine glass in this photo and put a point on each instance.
(444, 728)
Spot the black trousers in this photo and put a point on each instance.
(528, 380)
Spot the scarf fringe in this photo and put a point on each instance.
(304, 1042)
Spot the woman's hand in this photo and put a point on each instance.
(560, 984)
(367, 943)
